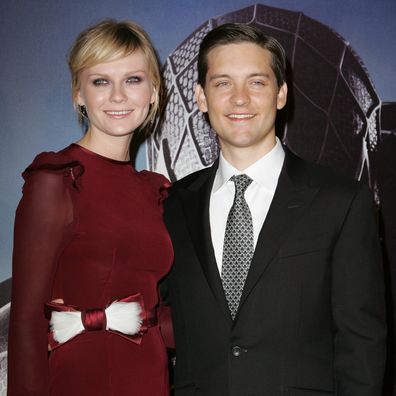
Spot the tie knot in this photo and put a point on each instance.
(242, 182)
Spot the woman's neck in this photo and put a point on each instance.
(114, 147)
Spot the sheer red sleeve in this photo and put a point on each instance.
(160, 185)
(43, 226)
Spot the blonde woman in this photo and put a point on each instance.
(89, 235)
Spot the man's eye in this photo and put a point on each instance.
(222, 84)
(100, 81)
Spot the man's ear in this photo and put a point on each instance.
(201, 98)
(282, 97)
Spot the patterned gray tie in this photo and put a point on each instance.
(238, 245)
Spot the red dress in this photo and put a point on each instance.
(88, 230)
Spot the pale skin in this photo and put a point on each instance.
(117, 96)
(241, 97)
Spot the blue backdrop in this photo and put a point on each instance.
(35, 104)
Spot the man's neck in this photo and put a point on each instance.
(242, 157)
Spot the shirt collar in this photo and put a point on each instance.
(271, 162)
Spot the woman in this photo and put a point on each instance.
(89, 234)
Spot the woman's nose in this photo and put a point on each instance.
(118, 94)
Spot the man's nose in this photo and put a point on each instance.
(240, 96)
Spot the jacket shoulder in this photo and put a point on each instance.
(192, 178)
(322, 176)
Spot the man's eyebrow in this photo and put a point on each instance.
(217, 76)
(265, 75)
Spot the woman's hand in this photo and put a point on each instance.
(59, 301)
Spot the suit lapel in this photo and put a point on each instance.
(292, 196)
(195, 199)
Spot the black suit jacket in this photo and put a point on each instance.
(311, 319)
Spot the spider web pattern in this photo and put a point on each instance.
(329, 84)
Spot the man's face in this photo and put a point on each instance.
(241, 97)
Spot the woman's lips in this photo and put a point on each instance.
(118, 113)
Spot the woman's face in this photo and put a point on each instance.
(117, 95)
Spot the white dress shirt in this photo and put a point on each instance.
(264, 173)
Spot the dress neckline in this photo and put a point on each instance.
(99, 156)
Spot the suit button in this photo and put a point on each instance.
(236, 350)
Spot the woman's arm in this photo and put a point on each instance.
(42, 225)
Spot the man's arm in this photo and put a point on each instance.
(358, 302)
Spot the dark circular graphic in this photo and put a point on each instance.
(333, 116)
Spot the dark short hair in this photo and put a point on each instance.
(234, 33)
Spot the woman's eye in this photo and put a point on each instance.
(133, 80)
(100, 81)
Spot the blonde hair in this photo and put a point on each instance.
(111, 40)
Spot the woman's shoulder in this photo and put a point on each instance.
(159, 183)
(61, 163)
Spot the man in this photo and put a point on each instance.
(276, 287)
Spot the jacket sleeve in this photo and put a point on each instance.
(358, 302)
(42, 228)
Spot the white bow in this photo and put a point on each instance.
(120, 316)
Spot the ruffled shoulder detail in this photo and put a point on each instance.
(159, 183)
(57, 162)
